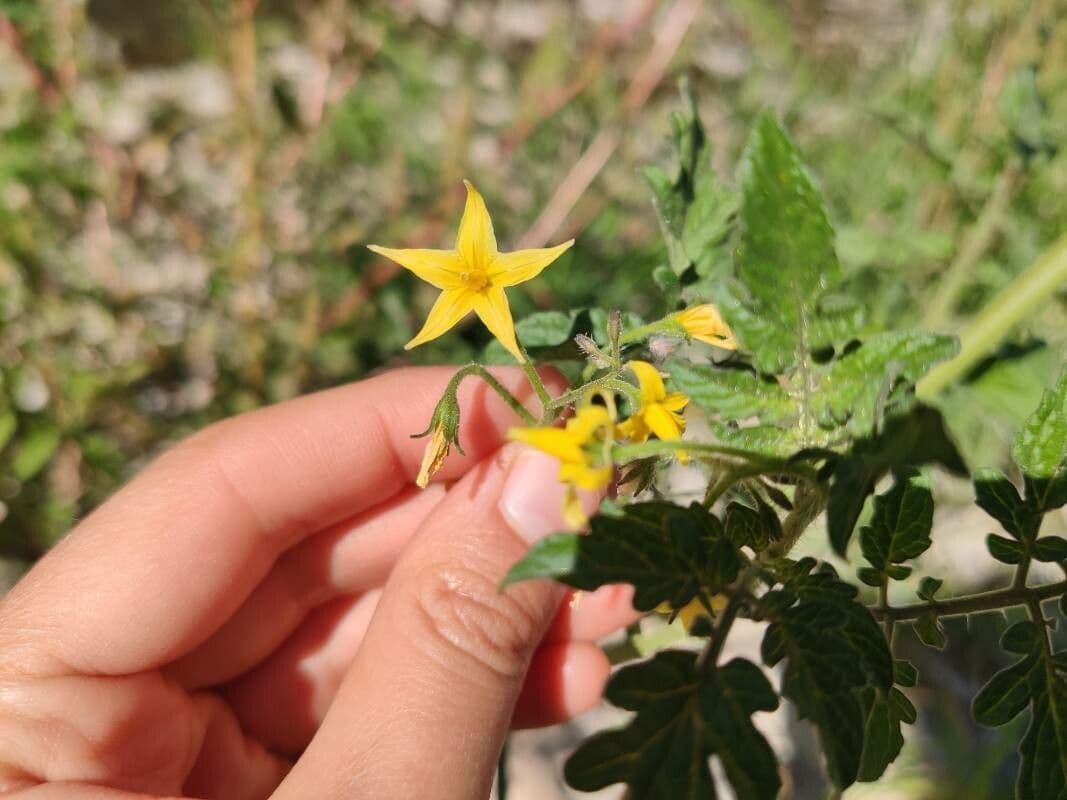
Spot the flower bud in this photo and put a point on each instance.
(705, 324)
(443, 432)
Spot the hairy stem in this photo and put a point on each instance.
(537, 384)
(481, 372)
(974, 603)
(710, 655)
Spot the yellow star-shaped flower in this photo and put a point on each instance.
(659, 411)
(577, 446)
(473, 276)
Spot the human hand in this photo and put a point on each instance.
(272, 609)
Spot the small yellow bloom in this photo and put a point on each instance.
(659, 412)
(473, 276)
(434, 456)
(579, 446)
(694, 609)
(705, 324)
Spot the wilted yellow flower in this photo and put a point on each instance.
(472, 277)
(658, 413)
(705, 323)
(579, 446)
(434, 456)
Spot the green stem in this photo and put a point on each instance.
(502, 771)
(667, 325)
(481, 372)
(537, 384)
(1036, 286)
(974, 603)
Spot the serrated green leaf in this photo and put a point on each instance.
(683, 718)
(870, 576)
(928, 587)
(1040, 448)
(900, 526)
(786, 259)
(999, 498)
(833, 648)
(34, 450)
(1037, 681)
(695, 210)
(1022, 638)
(913, 439)
(731, 394)
(1050, 548)
(929, 630)
(745, 528)
(905, 674)
(1003, 549)
(882, 740)
(666, 552)
(858, 386)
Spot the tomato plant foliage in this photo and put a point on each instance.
(814, 417)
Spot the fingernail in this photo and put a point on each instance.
(532, 499)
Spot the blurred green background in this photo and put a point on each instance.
(186, 189)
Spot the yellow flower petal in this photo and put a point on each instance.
(662, 422)
(440, 268)
(554, 441)
(509, 269)
(583, 425)
(476, 241)
(675, 401)
(492, 308)
(634, 429)
(433, 457)
(573, 513)
(584, 476)
(650, 382)
(452, 306)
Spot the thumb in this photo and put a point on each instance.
(425, 707)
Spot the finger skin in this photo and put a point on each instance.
(283, 701)
(565, 679)
(443, 662)
(355, 556)
(158, 568)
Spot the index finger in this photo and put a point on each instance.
(163, 564)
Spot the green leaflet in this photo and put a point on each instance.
(910, 440)
(684, 716)
(834, 653)
(846, 398)
(859, 386)
(786, 260)
(1037, 681)
(731, 394)
(1041, 449)
(999, 498)
(667, 552)
(882, 739)
(695, 210)
(900, 526)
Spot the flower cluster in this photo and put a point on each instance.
(472, 277)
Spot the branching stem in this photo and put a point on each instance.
(974, 603)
